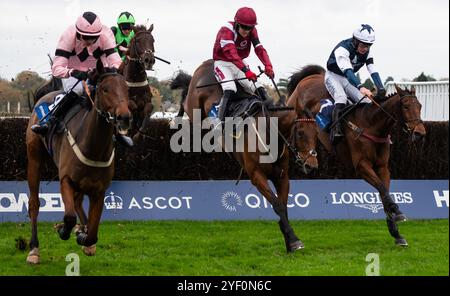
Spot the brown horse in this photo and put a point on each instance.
(294, 132)
(140, 57)
(366, 146)
(84, 156)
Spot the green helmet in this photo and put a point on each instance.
(125, 18)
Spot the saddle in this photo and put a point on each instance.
(61, 122)
(244, 107)
(242, 104)
(325, 114)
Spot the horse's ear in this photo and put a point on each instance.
(413, 89)
(100, 67)
(151, 28)
(398, 89)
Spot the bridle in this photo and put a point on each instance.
(291, 144)
(135, 49)
(110, 118)
(406, 122)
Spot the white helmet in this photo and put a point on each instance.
(365, 34)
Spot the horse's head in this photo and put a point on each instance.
(410, 111)
(112, 97)
(304, 139)
(142, 48)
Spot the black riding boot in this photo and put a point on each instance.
(264, 96)
(42, 128)
(227, 94)
(337, 131)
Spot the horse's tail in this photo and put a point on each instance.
(181, 81)
(303, 73)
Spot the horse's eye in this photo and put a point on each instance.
(105, 90)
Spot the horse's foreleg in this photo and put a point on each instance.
(95, 212)
(390, 208)
(397, 216)
(80, 211)
(34, 164)
(282, 187)
(260, 181)
(70, 217)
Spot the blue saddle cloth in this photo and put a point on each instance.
(324, 117)
(44, 109)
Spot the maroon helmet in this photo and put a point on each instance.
(246, 16)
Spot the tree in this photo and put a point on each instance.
(368, 84)
(27, 81)
(390, 78)
(422, 77)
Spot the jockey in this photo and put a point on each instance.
(340, 80)
(232, 46)
(77, 52)
(123, 33)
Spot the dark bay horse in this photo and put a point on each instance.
(366, 145)
(84, 156)
(140, 57)
(294, 131)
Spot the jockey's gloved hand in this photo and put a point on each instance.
(269, 71)
(251, 76)
(80, 75)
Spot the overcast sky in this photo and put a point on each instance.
(411, 35)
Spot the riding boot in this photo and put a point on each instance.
(63, 106)
(41, 128)
(337, 131)
(267, 100)
(124, 140)
(227, 94)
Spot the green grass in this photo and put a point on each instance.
(235, 248)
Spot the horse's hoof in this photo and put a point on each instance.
(401, 242)
(33, 257)
(297, 245)
(89, 251)
(63, 234)
(400, 218)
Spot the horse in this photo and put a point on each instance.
(140, 57)
(84, 156)
(366, 146)
(54, 84)
(293, 134)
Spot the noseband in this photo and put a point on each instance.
(299, 160)
(110, 118)
(136, 51)
(311, 153)
(406, 127)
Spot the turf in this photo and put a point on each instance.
(235, 248)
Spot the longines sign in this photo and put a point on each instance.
(223, 200)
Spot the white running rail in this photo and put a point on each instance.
(433, 96)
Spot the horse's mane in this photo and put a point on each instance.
(139, 28)
(406, 90)
(301, 74)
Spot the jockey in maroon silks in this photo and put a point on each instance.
(232, 47)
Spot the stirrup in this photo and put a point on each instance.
(40, 129)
